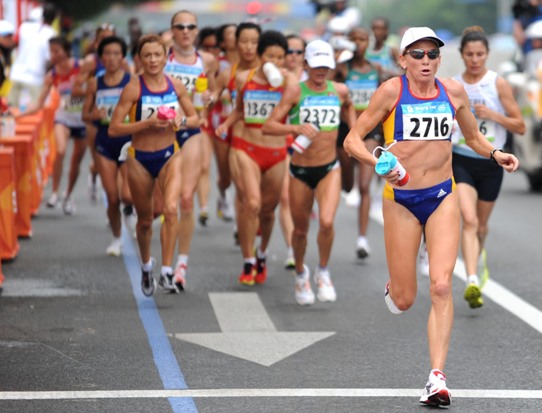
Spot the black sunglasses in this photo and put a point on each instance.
(298, 52)
(181, 27)
(418, 54)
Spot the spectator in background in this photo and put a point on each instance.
(6, 44)
(525, 13)
(351, 14)
(30, 65)
(336, 13)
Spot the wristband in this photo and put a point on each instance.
(492, 154)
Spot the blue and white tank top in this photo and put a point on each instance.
(420, 119)
(149, 101)
(107, 97)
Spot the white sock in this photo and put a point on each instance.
(473, 279)
(182, 259)
(166, 270)
(261, 254)
(362, 238)
(147, 266)
(301, 275)
(251, 260)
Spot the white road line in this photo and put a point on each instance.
(228, 393)
(493, 290)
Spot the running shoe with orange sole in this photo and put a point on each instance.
(248, 275)
(261, 271)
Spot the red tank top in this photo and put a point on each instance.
(259, 101)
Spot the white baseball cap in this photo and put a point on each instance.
(6, 28)
(319, 54)
(414, 34)
(36, 14)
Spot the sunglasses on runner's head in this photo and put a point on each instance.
(418, 54)
(298, 52)
(106, 26)
(181, 27)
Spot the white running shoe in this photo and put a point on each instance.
(166, 282)
(326, 291)
(130, 220)
(289, 262)
(223, 209)
(179, 278)
(423, 261)
(435, 392)
(148, 283)
(362, 248)
(389, 302)
(115, 248)
(303, 290)
(352, 198)
(52, 202)
(68, 205)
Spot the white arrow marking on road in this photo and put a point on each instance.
(248, 333)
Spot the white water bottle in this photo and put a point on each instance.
(301, 143)
(273, 75)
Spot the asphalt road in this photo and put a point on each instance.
(76, 334)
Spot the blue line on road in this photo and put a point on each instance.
(164, 359)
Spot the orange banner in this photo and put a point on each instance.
(9, 245)
(24, 153)
(36, 181)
